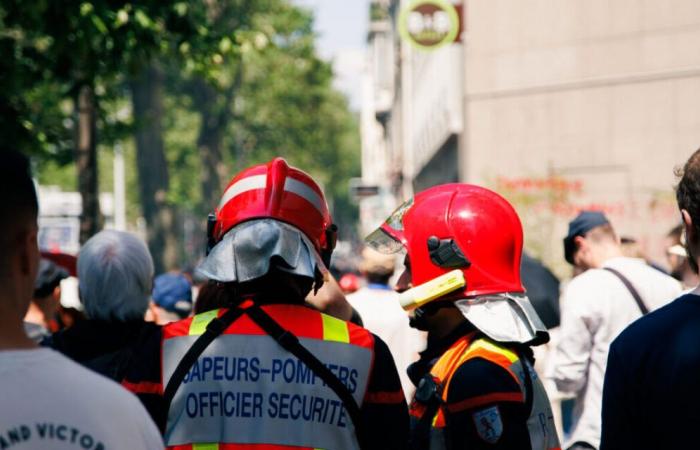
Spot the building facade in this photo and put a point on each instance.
(559, 106)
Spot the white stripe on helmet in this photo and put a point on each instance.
(241, 186)
(302, 190)
(258, 182)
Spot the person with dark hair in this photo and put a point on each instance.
(264, 369)
(40, 320)
(48, 400)
(611, 292)
(651, 396)
(677, 258)
(172, 297)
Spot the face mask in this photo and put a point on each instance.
(418, 320)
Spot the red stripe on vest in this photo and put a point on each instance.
(482, 400)
(385, 397)
(359, 336)
(301, 321)
(243, 447)
(143, 387)
(176, 329)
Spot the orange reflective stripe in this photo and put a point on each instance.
(482, 400)
(495, 358)
(451, 359)
(483, 344)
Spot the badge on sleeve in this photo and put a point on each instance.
(488, 424)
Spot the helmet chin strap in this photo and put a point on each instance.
(422, 314)
(331, 239)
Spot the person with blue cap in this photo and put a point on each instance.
(172, 297)
(610, 292)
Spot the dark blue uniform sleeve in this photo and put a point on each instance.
(486, 408)
(617, 432)
(143, 378)
(384, 408)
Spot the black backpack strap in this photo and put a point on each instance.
(291, 343)
(640, 303)
(429, 394)
(214, 329)
(529, 390)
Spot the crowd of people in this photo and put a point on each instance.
(268, 351)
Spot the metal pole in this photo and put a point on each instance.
(119, 189)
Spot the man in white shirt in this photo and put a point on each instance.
(381, 313)
(48, 400)
(596, 306)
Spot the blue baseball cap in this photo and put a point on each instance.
(173, 292)
(582, 224)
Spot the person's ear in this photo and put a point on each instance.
(28, 252)
(579, 243)
(688, 226)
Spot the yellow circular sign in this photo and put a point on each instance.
(429, 24)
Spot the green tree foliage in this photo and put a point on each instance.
(254, 60)
(289, 108)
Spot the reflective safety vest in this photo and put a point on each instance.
(246, 390)
(540, 423)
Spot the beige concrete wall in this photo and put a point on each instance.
(575, 103)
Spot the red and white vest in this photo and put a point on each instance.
(245, 390)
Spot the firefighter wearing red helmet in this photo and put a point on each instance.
(476, 386)
(265, 370)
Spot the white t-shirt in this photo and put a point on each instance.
(50, 402)
(382, 315)
(595, 307)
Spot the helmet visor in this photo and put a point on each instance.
(389, 238)
(383, 242)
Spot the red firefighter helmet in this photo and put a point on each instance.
(276, 191)
(457, 226)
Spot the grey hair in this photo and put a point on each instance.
(115, 274)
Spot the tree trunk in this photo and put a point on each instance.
(161, 217)
(215, 108)
(209, 143)
(86, 161)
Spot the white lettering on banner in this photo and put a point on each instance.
(290, 370)
(248, 389)
(218, 404)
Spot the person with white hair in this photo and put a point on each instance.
(115, 272)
